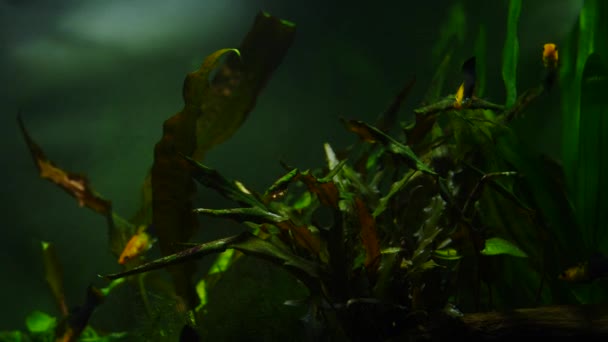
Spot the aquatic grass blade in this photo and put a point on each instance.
(511, 53)
(592, 170)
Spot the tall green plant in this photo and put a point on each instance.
(583, 126)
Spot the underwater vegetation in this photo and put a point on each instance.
(440, 227)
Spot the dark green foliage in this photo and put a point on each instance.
(457, 214)
(591, 186)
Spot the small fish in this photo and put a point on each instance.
(551, 62)
(550, 55)
(588, 271)
(137, 245)
(71, 326)
(465, 91)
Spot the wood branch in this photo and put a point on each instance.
(559, 323)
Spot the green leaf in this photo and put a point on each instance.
(278, 188)
(447, 254)
(222, 262)
(373, 135)
(255, 214)
(307, 271)
(511, 53)
(592, 171)
(106, 290)
(395, 188)
(230, 189)
(303, 201)
(392, 250)
(496, 246)
(427, 233)
(39, 322)
(201, 291)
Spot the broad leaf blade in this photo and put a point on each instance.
(593, 143)
(218, 98)
(497, 246)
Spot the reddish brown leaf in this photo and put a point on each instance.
(326, 191)
(74, 184)
(360, 129)
(302, 236)
(369, 237)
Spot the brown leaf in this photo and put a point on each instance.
(218, 98)
(369, 237)
(302, 236)
(74, 184)
(326, 191)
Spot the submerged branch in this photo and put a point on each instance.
(559, 322)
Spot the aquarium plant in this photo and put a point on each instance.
(440, 226)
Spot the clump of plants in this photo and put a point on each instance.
(397, 235)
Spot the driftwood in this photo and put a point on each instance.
(554, 323)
